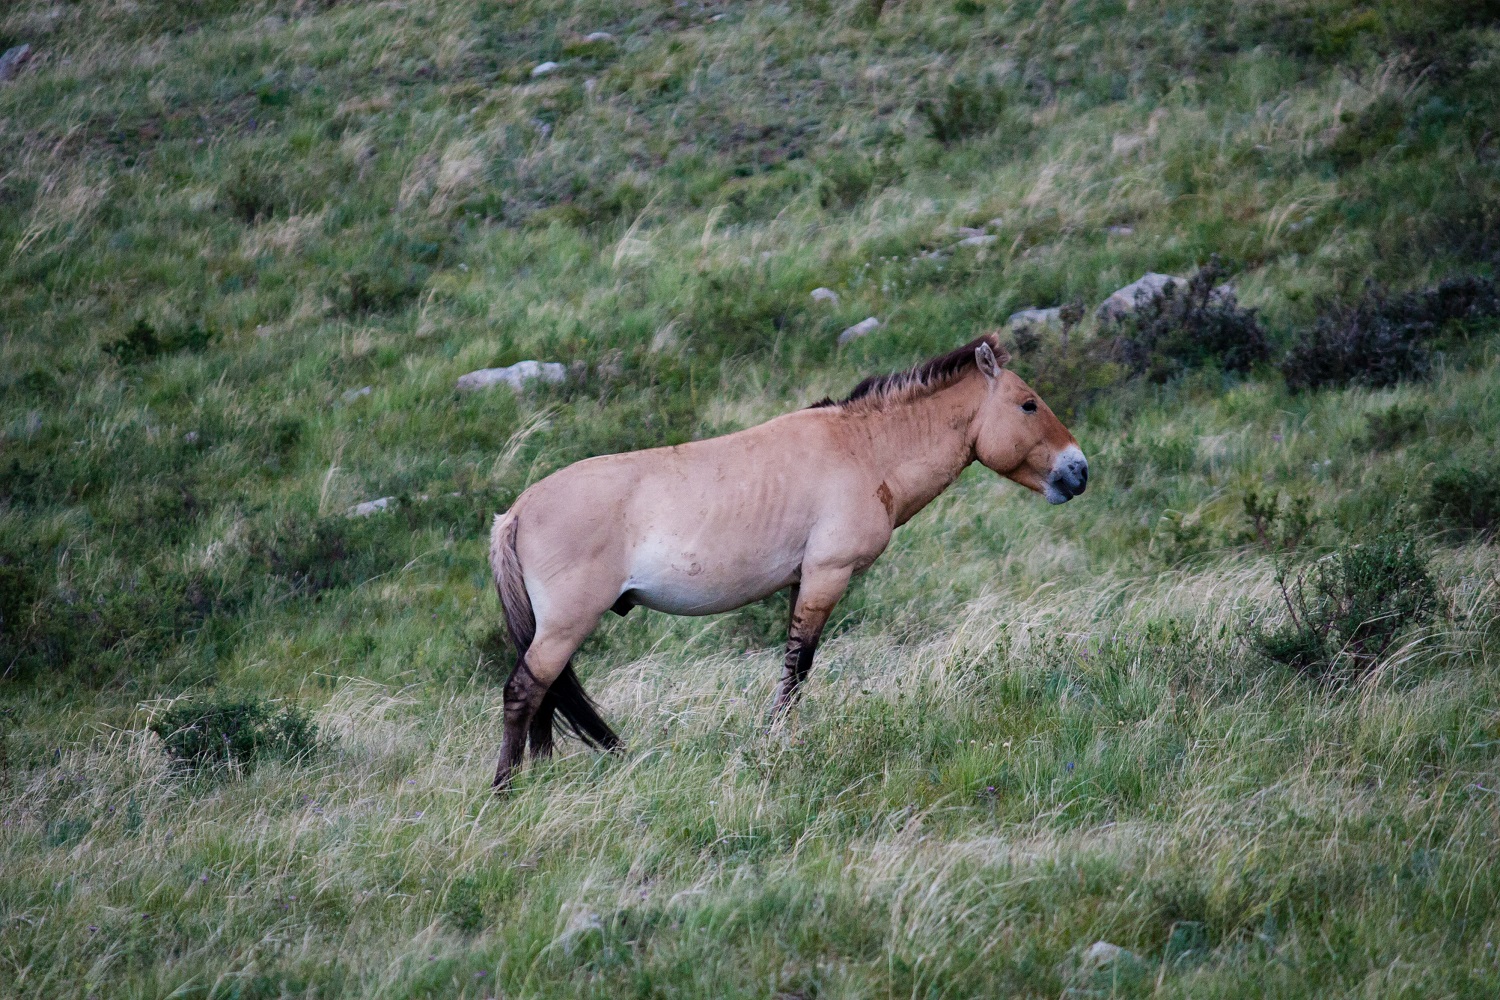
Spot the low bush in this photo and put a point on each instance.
(965, 108)
(1198, 326)
(1350, 607)
(254, 194)
(239, 733)
(142, 342)
(1465, 499)
(1383, 339)
(1275, 527)
(1385, 429)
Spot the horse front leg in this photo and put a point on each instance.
(813, 600)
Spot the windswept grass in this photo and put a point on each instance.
(245, 251)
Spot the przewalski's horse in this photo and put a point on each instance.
(804, 501)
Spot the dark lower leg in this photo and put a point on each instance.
(540, 732)
(523, 695)
(794, 670)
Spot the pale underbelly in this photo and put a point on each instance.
(689, 584)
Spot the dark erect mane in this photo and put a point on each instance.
(926, 377)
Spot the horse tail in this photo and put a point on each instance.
(566, 694)
(515, 603)
(580, 713)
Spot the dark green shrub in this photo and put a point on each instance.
(1465, 499)
(845, 178)
(967, 107)
(253, 194)
(314, 554)
(240, 733)
(1182, 329)
(1350, 607)
(142, 342)
(1382, 339)
(1368, 133)
(1385, 429)
(1277, 528)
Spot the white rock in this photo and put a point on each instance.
(353, 394)
(11, 60)
(371, 506)
(1148, 287)
(598, 36)
(825, 295)
(1120, 230)
(864, 326)
(1036, 317)
(1101, 954)
(191, 437)
(977, 241)
(515, 376)
(970, 231)
(542, 69)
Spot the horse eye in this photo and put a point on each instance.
(1029, 406)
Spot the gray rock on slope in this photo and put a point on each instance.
(1036, 317)
(11, 60)
(1143, 289)
(516, 376)
(860, 329)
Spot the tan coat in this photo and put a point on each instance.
(803, 501)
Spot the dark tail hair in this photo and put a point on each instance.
(566, 695)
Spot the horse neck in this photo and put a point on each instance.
(921, 445)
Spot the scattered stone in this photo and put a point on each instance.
(1036, 317)
(825, 295)
(977, 241)
(191, 437)
(1120, 230)
(542, 69)
(1126, 143)
(1102, 954)
(516, 376)
(371, 506)
(860, 329)
(352, 394)
(969, 231)
(11, 60)
(1146, 288)
(33, 425)
(598, 36)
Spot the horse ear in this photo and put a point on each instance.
(988, 362)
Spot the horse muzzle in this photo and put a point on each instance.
(1070, 476)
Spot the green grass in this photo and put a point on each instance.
(1030, 728)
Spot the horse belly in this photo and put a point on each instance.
(685, 581)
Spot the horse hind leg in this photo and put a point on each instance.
(539, 733)
(541, 685)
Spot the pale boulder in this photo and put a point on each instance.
(516, 376)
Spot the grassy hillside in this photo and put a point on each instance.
(247, 248)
